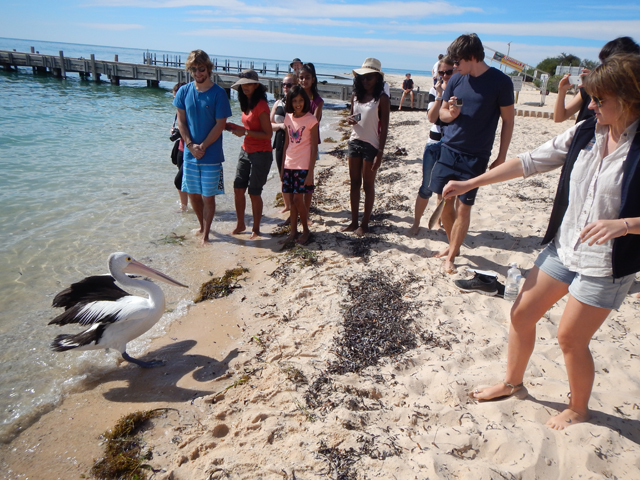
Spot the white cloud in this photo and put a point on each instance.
(312, 8)
(116, 27)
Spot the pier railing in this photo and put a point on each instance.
(225, 75)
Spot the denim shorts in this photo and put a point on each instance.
(601, 292)
(363, 150)
(206, 180)
(457, 166)
(429, 159)
(253, 170)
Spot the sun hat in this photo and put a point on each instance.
(294, 61)
(370, 65)
(247, 76)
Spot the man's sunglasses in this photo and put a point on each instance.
(200, 69)
(288, 85)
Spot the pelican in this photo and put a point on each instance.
(115, 316)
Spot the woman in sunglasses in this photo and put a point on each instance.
(432, 148)
(278, 113)
(593, 234)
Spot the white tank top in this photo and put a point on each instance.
(368, 128)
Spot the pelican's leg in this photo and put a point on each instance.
(140, 363)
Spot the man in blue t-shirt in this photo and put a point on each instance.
(476, 97)
(203, 109)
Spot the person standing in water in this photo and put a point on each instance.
(203, 109)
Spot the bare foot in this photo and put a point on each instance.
(565, 419)
(304, 238)
(442, 253)
(361, 231)
(255, 235)
(497, 392)
(415, 228)
(239, 229)
(285, 223)
(205, 241)
(290, 238)
(285, 209)
(197, 232)
(449, 267)
(352, 227)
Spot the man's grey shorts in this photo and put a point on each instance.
(602, 292)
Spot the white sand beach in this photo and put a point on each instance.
(409, 416)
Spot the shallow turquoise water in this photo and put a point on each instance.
(85, 171)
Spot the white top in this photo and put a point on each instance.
(594, 194)
(434, 70)
(368, 128)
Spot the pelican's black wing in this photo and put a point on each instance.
(91, 289)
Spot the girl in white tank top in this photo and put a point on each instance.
(370, 120)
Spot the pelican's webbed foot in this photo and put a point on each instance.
(140, 363)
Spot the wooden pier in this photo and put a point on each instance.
(90, 68)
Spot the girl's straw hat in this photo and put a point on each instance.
(370, 65)
(247, 76)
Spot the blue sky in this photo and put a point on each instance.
(402, 34)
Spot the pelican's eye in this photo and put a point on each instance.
(129, 259)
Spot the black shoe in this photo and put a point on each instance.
(484, 284)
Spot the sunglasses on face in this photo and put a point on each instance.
(200, 69)
(597, 101)
(287, 84)
(446, 72)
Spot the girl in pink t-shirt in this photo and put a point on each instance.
(300, 151)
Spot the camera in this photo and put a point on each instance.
(175, 135)
(357, 117)
(458, 102)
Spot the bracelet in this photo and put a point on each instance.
(438, 98)
(626, 225)
(189, 144)
(246, 132)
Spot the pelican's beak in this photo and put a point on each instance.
(138, 268)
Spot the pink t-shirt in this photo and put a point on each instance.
(299, 149)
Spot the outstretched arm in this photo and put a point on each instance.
(506, 171)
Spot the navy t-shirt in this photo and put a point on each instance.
(473, 132)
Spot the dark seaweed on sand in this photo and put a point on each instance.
(389, 178)
(378, 323)
(341, 461)
(394, 202)
(125, 454)
(220, 286)
(361, 246)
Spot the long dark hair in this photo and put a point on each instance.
(247, 104)
(359, 91)
(311, 69)
(293, 93)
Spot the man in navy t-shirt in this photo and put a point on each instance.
(476, 97)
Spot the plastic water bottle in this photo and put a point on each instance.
(512, 287)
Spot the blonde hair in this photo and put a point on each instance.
(618, 77)
(198, 57)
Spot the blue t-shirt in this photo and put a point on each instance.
(473, 132)
(203, 108)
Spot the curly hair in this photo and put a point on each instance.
(198, 57)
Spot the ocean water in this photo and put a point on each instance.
(85, 171)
